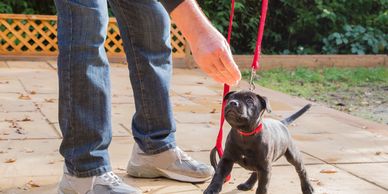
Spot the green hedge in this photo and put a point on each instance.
(293, 26)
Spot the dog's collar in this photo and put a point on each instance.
(257, 130)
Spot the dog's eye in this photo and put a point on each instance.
(249, 101)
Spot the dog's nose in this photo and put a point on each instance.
(233, 103)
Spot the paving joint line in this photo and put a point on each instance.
(41, 113)
(351, 173)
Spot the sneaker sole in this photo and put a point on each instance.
(153, 172)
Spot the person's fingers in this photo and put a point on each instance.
(213, 72)
(230, 65)
(224, 73)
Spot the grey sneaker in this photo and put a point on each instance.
(173, 163)
(108, 183)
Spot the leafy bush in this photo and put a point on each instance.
(302, 26)
(292, 27)
(356, 40)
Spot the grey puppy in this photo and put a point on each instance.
(254, 143)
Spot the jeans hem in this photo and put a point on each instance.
(93, 172)
(161, 149)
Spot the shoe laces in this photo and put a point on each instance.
(182, 156)
(111, 178)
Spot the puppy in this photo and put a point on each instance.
(254, 143)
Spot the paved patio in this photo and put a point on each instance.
(343, 154)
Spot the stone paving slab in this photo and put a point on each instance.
(28, 64)
(285, 180)
(376, 173)
(353, 147)
(10, 85)
(3, 64)
(13, 102)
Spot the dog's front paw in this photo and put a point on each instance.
(212, 190)
(244, 187)
(307, 189)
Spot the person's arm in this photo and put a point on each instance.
(210, 49)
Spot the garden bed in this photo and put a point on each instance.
(358, 91)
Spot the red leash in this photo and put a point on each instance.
(255, 65)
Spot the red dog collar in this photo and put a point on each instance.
(257, 130)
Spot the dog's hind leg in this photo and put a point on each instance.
(248, 185)
(294, 157)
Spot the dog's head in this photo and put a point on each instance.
(243, 109)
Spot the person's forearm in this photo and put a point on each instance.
(190, 20)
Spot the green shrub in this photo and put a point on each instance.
(292, 27)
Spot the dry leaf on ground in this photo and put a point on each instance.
(24, 97)
(33, 184)
(10, 160)
(50, 100)
(26, 119)
(328, 171)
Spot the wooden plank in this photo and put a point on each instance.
(313, 61)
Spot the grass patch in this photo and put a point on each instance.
(307, 82)
(346, 89)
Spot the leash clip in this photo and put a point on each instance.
(252, 85)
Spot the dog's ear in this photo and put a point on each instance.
(265, 103)
(226, 97)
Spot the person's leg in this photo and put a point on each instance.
(84, 99)
(145, 30)
(84, 86)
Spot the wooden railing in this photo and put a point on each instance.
(37, 35)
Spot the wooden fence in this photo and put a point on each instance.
(36, 35)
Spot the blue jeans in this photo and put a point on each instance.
(84, 83)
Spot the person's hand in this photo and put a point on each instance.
(210, 49)
(212, 54)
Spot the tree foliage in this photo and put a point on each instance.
(292, 27)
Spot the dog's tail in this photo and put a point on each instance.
(296, 115)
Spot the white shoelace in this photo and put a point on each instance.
(112, 178)
(182, 156)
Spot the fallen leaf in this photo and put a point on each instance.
(213, 111)
(328, 171)
(19, 131)
(212, 123)
(26, 119)
(378, 153)
(33, 184)
(50, 100)
(10, 160)
(32, 92)
(24, 97)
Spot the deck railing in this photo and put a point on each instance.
(36, 35)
